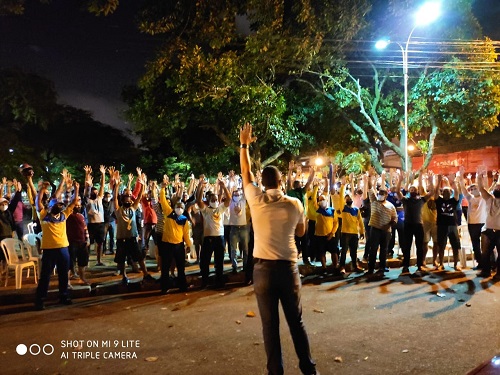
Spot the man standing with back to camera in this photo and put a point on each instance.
(276, 275)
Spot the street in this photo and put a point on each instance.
(443, 323)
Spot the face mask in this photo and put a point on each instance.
(323, 204)
(237, 198)
(214, 204)
(381, 197)
(496, 193)
(106, 199)
(179, 211)
(127, 204)
(4, 207)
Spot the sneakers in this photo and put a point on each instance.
(405, 271)
(342, 270)
(99, 264)
(125, 281)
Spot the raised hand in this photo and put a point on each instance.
(87, 169)
(102, 169)
(139, 171)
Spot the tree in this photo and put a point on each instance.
(453, 95)
(214, 74)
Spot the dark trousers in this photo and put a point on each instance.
(212, 245)
(380, 239)
(475, 238)
(349, 241)
(167, 252)
(311, 254)
(274, 282)
(368, 237)
(50, 259)
(413, 230)
(249, 268)
(489, 240)
(444, 233)
(399, 228)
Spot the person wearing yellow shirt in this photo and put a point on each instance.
(352, 225)
(175, 242)
(326, 226)
(54, 244)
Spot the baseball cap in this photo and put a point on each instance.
(3, 200)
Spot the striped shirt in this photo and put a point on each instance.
(381, 213)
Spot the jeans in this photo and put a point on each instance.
(53, 257)
(475, 238)
(413, 230)
(380, 239)
(238, 238)
(276, 281)
(349, 241)
(212, 245)
(109, 228)
(167, 252)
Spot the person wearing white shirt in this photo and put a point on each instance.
(213, 232)
(276, 219)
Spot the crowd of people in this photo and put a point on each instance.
(207, 219)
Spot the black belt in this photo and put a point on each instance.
(272, 261)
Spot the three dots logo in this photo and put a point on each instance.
(35, 349)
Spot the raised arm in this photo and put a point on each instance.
(246, 138)
(480, 176)
(102, 169)
(199, 192)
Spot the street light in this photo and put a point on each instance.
(427, 13)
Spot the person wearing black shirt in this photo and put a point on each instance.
(446, 206)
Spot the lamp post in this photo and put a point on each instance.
(427, 13)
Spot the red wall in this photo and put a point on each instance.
(449, 163)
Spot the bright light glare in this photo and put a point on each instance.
(411, 148)
(382, 43)
(428, 13)
(318, 161)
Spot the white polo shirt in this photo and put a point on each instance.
(213, 221)
(274, 218)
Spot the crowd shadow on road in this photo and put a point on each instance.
(456, 287)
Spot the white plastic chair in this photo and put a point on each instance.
(31, 227)
(9, 246)
(32, 243)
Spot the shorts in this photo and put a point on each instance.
(96, 232)
(81, 251)
(125, 247)
(430, 231)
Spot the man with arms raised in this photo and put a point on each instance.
(277, 219)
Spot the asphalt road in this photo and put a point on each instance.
(443, 323)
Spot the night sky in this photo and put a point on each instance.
(91, 58)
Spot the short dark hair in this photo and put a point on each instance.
(271, 177)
